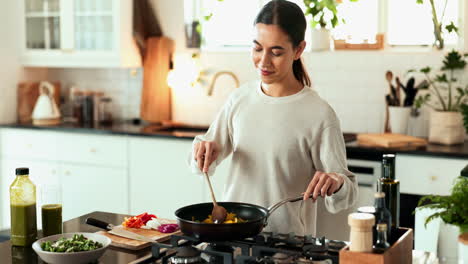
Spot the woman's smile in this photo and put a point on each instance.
(265, 72)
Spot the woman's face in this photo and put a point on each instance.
(273, 53)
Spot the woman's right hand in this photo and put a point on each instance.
(205, 152)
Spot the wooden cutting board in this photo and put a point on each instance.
(131, 244)
(156, 94)
(390, 140)
(27, 94)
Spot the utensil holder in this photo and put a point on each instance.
(399, 117)
(400, 251)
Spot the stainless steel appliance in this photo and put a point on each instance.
(264, 248)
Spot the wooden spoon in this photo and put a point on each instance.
(219, 213)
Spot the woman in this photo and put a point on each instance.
(284, 139)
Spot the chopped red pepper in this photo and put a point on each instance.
(139, 220)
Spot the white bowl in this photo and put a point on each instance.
(72, 257)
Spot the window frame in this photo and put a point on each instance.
(382, 27)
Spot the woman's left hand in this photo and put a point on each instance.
(323, 184)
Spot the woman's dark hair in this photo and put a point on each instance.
(290, 18)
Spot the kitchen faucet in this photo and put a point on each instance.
(215, 77)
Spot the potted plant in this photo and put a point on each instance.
(446, 122)
(437, 22)
(452, 209)
(324, 15)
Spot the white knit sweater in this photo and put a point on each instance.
(277, 144)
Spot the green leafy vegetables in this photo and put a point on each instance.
(75, 244)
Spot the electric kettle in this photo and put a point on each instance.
(46, 112)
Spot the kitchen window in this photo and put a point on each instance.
(404, 22)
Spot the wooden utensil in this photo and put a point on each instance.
(219, 213)
(398, 93)
(388, 102)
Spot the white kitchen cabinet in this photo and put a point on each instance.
(161, 180)
(78, 33)
(26, 144)
(92, 169)
(90, 188)
(427, 175)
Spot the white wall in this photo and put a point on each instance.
(352, 82)
(11, 71)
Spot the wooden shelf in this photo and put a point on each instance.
(343, 45)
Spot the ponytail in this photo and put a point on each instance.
(300, 72)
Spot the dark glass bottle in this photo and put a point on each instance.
(391, 187)
(382, 214)
(381, 243)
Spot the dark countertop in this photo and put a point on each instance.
(354, 151)
(123, 128)
(10, 254)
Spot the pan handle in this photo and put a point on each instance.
(272, 208)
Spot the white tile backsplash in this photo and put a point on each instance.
(353, 82)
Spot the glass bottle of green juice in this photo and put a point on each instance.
(23, 209)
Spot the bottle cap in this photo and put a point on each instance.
(22, 171)
(382, 227)
(388, 158)
(361, 220)
(379, 195)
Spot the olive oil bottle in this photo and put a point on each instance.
(23, 209)
(391, 187)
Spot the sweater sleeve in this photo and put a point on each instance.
(220, 131)
(329, 155)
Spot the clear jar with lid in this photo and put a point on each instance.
(76, 97)
(105, 111)
(88, 108)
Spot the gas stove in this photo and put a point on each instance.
(266, 247)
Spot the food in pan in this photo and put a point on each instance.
(231, 218)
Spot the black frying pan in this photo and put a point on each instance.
(255, 215)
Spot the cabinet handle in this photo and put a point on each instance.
(67, 173)
(53, 171)
(433, 178)
(67, 50)
(93, 150)
(29, 145)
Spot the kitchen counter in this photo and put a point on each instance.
(354, 150)
(112, 255)
(124, 128)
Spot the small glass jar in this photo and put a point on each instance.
(105, 111)
(88, 109)
(77, 106)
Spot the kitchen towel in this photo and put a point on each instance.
(156, 94)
